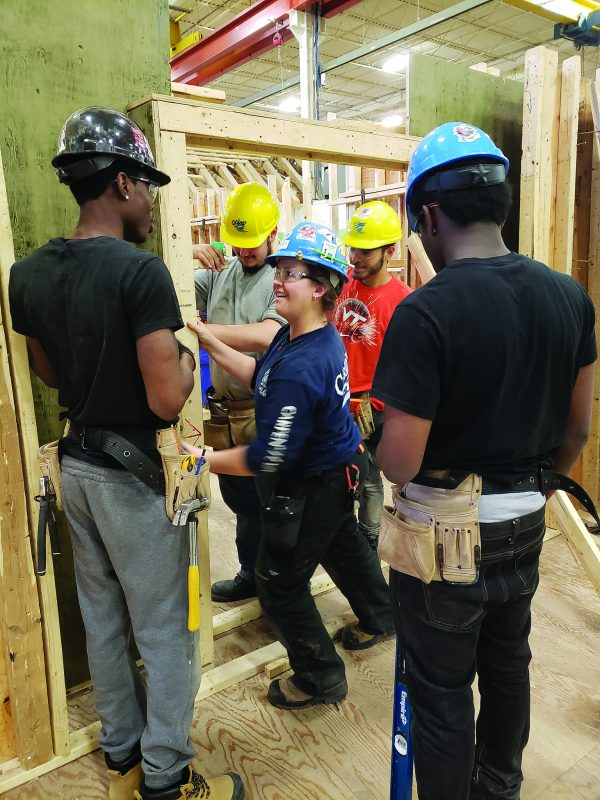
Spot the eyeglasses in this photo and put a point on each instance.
(286, 275)
(419, 219)
(152, 187)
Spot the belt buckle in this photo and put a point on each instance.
(82, 440)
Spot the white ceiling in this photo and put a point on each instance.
(496, 33)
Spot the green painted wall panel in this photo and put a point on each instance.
(56, 57)
(439, 91)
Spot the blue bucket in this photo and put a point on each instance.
(204, 373)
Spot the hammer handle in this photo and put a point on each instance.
(193, 598)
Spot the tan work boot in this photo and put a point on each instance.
(197, 787)
(123, 786)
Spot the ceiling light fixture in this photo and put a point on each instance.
(396, 63)
(289, 104)
(393, 121)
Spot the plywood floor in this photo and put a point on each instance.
(342, 752)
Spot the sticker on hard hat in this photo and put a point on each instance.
(358, 226)
(284, 244)
(363, 213)
(466, 133)
(307, 233)
(329, 235)
(239, 225)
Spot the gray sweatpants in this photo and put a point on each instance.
(131, 573)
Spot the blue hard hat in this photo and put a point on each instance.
(446, 145)
(315, 244)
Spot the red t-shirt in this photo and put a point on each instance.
(361, 316)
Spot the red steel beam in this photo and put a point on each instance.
(248, 35)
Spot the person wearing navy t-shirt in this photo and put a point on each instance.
(308, 460)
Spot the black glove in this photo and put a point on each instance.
(183, 349)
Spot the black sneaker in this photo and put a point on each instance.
(230, 591)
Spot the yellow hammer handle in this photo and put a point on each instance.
(193, 598)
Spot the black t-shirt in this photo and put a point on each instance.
(87, 301)
(489, 350)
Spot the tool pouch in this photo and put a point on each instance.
(216, 430)
(242, 422)
(181, 481)
(50, 468)
(433, 533)
(281, 521)
(363, 416)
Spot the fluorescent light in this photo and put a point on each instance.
(289, 104)
(396, 63)
(392, 121)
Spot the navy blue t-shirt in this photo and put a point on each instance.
(302, 393)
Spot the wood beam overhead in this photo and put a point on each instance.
(234, 129)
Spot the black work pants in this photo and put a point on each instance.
(447, 634)
(328, 535)
(240, 496)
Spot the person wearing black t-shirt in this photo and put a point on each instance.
(99, 317)
(486, 369)
(307, 458)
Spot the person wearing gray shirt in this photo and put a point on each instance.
(237, 296)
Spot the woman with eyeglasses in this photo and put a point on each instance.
(308, 460)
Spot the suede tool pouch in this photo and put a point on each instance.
(433, 533)
(50, 468)
(181, 481)
(216, 430)
(242, 423)
(281, 521)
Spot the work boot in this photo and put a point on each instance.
(124, 777)
(283, 693)
(237, 589)
(197, 787)
(354, 638)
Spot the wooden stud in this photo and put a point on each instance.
(269, 169)
(419, 258)
(591, 452)
(242, 170)
(538, 163)
(579, 538)
(248, 612)
(35, 678)
(227, 176)
(287, 218)
(203, 93)
(562, 258)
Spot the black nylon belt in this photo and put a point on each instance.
(123, 450)
(540, 480)
(546, 480)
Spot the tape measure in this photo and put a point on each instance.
(189, 463)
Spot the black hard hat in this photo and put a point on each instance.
(92, 138)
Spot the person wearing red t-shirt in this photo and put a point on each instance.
(362, 314)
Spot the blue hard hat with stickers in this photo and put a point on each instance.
(315, 244)
(446, 146)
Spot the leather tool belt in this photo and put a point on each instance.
(432, 532)
(232, 422)
(362, 412)
(185, 477)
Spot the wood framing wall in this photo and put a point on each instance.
(79, 60)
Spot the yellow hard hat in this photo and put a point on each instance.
(249, 216)
(374, 224)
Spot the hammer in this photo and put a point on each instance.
(186, 515)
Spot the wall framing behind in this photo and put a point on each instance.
(46, 73)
